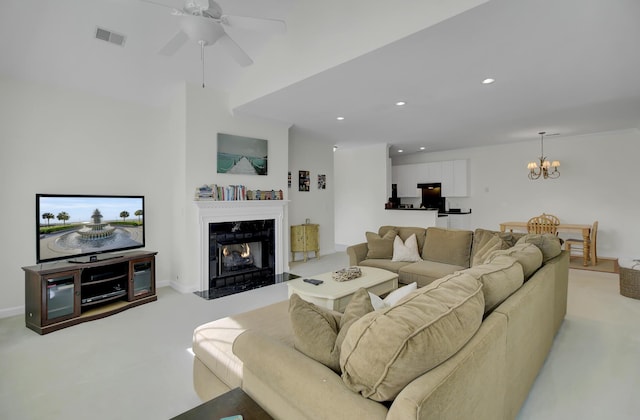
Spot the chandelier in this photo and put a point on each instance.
(545, 169)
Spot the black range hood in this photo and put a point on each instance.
(432, 196)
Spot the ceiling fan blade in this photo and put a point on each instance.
(158, 4)
(235, 51)
(174, 44)
(268, 26)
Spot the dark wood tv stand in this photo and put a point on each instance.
(62, 294)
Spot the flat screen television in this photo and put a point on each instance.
(79, 227)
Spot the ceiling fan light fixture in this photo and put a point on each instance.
(201, 29)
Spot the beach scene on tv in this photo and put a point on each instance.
(70, 226)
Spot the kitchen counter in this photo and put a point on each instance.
(410, 217)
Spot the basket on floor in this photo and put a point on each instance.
(630, 281)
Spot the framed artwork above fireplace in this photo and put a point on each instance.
(242, 155)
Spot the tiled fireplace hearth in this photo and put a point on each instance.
(241, 245)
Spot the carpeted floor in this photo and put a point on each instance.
(605, 265)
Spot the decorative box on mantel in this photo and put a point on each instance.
(211, 211)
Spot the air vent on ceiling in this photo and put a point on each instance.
(112, 37)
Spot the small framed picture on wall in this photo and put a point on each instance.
(322, 182)
(303, 181)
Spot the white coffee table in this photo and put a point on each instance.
(335, 295)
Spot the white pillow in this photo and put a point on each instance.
(393, 297)
(406, 251)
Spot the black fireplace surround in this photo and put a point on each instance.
(241, 257)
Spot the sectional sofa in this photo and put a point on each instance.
(466, 345)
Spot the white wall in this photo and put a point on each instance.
(207, 114)
(362, 186)
(597, 182)
(315, 156)
(55, 140)
(61, 141)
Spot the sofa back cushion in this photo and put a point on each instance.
(448, 246)
(385, 350)
(404, 232)
(549, 244)
(380, 246)
(528, 255)
(499, 279)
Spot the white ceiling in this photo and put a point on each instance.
(565, 66)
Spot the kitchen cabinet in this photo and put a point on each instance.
(454, 178)
(406, 179)
(451, 173)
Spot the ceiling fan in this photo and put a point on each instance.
(203, 22)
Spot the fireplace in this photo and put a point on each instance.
(242, 245)
(241, 255)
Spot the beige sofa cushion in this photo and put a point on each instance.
(393, 266)
(425, 272)
(405, 231)
(499, 279)
(385, 350)
(319, 332)
(528, 255)
(549, 244)
(380, 246)
(449, 246)
(213, 341)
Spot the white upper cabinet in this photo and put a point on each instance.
(430, 172)
(451, 173)
(406, 178)
(454, 178)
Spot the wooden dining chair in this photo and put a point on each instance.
(579, 244)
(542, 224)
(555, 219)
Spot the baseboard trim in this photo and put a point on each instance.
(9, 312)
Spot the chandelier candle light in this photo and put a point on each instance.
(543, 170)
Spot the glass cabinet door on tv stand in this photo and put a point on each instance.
(142, 272)
(60, 297)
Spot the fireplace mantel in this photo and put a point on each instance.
(212, 211)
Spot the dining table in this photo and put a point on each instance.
(585, 230)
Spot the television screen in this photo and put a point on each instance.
(71, 226)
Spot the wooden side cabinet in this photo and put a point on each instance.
(304, 238)
(62, 294)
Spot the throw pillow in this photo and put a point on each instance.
(393, 297)
(491, 244)
(380, 247)
(407, 250)
(386, 350)
(528, 255)
(319, 332)
(550, 245)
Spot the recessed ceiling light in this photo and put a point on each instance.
(400, 150)
(339, 118)
(488, 81)
(422, 148)
(401, 103)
